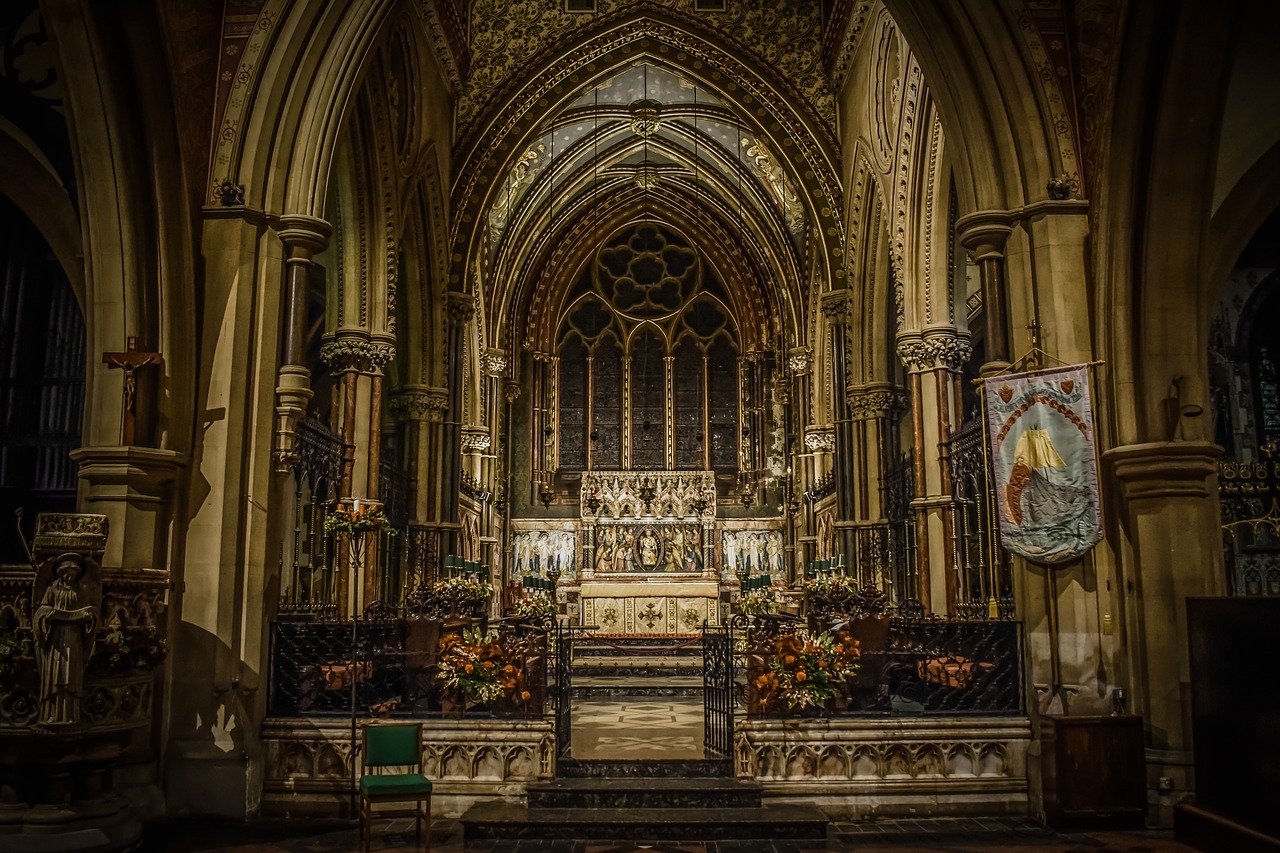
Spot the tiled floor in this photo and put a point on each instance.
(638, 727)
(300, 836)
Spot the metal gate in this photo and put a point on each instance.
(718, 690)
(562, 691)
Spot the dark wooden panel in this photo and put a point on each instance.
(1235, 707)
(1094, 771)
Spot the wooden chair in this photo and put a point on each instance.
(397, 746)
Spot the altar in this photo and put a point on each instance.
(648, 564)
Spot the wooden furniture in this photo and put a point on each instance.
(398, 746)
(1094, 772)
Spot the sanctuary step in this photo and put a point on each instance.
(646, 666)
(628, 667)
(670, 768)
(644, 793)
(646, 800)
(498, 820)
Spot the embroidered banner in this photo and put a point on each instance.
(1040, 428)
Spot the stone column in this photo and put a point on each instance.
(460, 308)
(932, 358)
(1170, 493)
(835, 308)
(984, 234)
(303, 238)
(359, 359)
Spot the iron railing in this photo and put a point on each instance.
(910, 665)
(388, 667)
(720, 694)
(308, 564)
(983, 570)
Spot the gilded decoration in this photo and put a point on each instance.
(648, 548)
(507, 34)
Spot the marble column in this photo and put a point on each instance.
(303, 238)
(984, 234)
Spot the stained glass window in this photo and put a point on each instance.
(648, 401)
(722, 405)
(606, 425)
(688, 393)
(573, 405)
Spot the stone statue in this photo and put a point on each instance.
(64, 623)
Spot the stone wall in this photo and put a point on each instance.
(863, 768)
(307, 770)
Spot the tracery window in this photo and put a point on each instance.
(648, 362)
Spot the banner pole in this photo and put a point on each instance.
(1055, 658)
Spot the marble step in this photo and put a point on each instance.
(637, 668)
(500, 820)
(624, 646)
(624, 687)
(667, 768)
(635, 793)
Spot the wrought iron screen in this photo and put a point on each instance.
(562, 691)
(307, 557)
(719, 690)
(984, 572)
(903, 581)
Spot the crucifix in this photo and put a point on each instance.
(130, 361)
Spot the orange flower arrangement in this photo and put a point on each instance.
(806, 670)
(475, 665)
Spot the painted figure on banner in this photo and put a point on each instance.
(1040, 428)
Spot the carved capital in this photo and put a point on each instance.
(947, 348)
(799, 360)
(350, 352)
(511, 390)
(913, 353)
(820, 439)
(475, 439)
(437, 404)
(411, 403)
(835, 305)
(460, 307)
(494, 361)
(874, 401)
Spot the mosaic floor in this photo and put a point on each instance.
(638, 727)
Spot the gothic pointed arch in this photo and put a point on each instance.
(767, 104)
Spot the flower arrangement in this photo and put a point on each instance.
(536, 605)
(357, 518)
(803, 670)
(475, 665)
(831, 593)
(121, 649)
(462, 590)
(758, 602)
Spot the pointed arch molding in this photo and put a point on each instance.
(289, 98)
(778, 110)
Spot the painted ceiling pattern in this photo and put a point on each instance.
(505, 34)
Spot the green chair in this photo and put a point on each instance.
(397, 746)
